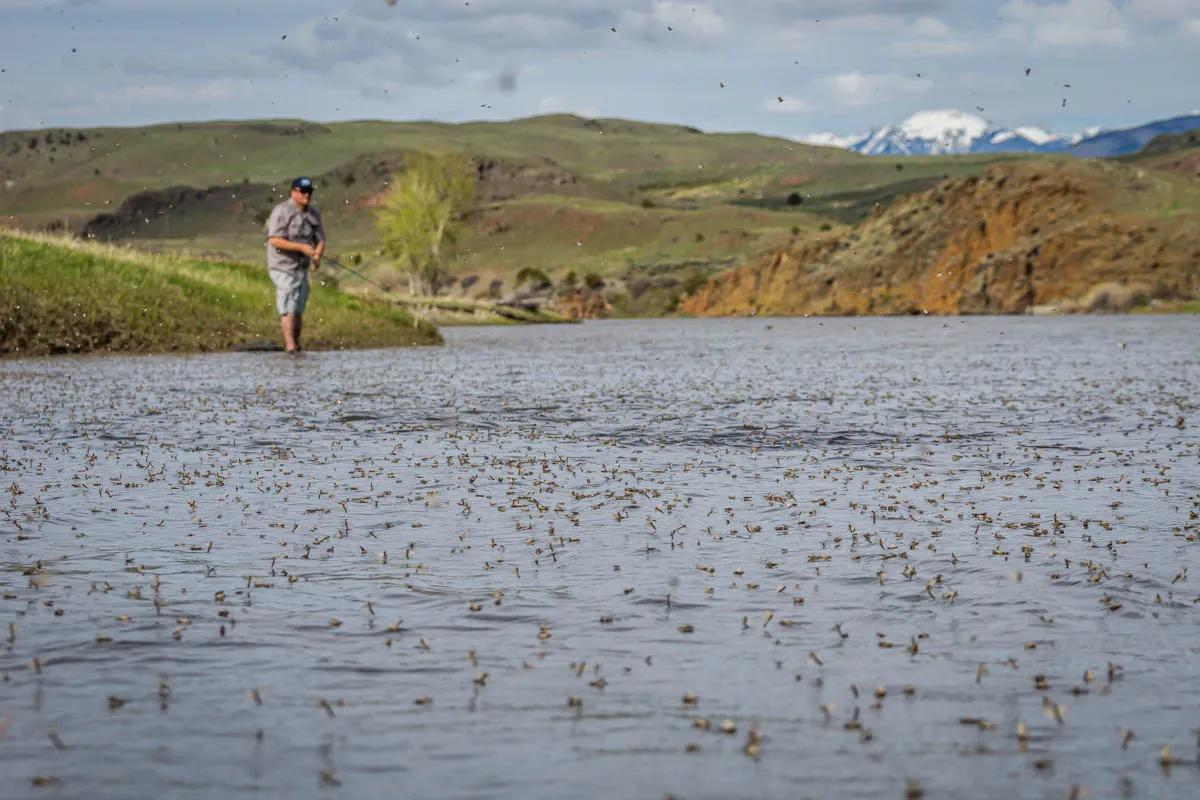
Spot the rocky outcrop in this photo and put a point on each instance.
(503, 180)
(496, 180)
(176, 210)
(1022, 236)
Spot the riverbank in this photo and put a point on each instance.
(456, 311)
(63, 295)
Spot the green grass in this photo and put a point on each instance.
(65, 296)
(1169, 307)
(1166, 143)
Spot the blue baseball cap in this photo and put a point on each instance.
(305, 185)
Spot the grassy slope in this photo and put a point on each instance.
(65, 296)
(1178, 153)
(61, 175)
(650, 200)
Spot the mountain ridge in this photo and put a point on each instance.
(954, 132)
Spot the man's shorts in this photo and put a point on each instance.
(291, 291)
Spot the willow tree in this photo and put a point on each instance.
(421, 215)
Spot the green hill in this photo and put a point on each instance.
(67, 296)
(1169, 143)
(631, 202)
(1171, 152)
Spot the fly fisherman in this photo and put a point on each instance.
(295, 241)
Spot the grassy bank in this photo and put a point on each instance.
(60, 295)
(1175, 307)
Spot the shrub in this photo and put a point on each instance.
(593, 281)
(493, 290)
(693, 282)
(533, 276)
(638, 287)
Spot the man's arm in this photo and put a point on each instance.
(279, 243)
(319, 250)
(277, 233)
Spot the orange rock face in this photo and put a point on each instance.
(1025, 236)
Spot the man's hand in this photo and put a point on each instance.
(315, 260)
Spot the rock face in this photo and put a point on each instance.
(1024, 236)
(503, 180)
(177, 210)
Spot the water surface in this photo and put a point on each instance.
(543, 562)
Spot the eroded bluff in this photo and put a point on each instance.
(1047, 235)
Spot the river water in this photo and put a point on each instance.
(706, 559)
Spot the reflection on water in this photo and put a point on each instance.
(547, 562)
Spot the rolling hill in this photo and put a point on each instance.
(1177, 152)
(629, 218)
(641, 206)
(1129, 141)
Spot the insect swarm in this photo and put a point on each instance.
(620, 549)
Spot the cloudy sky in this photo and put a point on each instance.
(789, 67)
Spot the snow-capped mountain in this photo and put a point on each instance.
(948, 131)
(942, 132)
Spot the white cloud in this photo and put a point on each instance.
(1185, 11)
(931, 28)
(785, 105)
(855, 67)
(831, 139)
(856, 88)
(834, 10)
(1071, 23)
(927, 37)
(694, 19)
(925, 48)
